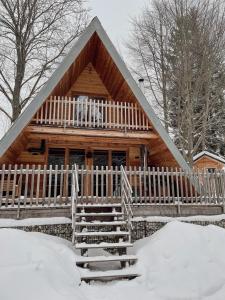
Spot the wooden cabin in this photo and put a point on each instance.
(206, 160)
(90, 113)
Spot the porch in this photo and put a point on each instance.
(29, 191)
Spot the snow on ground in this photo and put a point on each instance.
(34, 221)
(162, 219)
(63, 220)
(179, 262)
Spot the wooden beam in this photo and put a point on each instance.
(57, 138)
(90, 132)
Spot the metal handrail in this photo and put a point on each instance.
(126, 196)
(74, 197)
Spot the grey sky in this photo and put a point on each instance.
(114, 16)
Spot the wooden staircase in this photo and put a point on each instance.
(102, 232)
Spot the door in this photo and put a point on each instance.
(56, 157)
(118, 160)
(100, 159)
(77, 156)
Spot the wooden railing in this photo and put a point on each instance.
(91, 113)
(48, 186)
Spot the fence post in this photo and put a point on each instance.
(18, 209)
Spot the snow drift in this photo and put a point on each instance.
(179, 262)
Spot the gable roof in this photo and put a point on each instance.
(209, 154)
(94, 27)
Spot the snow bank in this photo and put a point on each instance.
(206, 218)
(33, 221)
(35, 266)
(179, 262)
(183, 261)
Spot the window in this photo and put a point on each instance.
(88, 108)
(118, 158)
(100, 158)
(211, 170)
(56, 156)
(77, 157)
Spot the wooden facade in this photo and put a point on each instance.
(208, 161)
(93, 75)
(93, 115)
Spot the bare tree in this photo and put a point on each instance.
(181, 50)
(148, 47)
(34, 35)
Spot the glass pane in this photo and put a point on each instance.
(56, 157)
(118, 158)
(77, 157)
(100, 158)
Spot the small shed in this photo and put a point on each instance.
(209, 161)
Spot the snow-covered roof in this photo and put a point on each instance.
(209, 154)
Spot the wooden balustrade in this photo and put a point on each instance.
(47, 186)
(92, 113)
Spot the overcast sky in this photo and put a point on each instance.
(114, 16)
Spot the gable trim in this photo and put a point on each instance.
(208, 154)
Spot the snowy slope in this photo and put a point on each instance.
(179, 262)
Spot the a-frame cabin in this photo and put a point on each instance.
(92, 113)
(89, 146)
(92, 103)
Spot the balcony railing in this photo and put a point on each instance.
(92, 113)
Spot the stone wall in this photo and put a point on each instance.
(60, 230)
(141, 229)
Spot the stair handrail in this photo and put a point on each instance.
(126, 196)
(74, 196)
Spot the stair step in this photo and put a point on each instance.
(99, 205)
(100, 214)
(103, 245)
(101, 233)
(94, 223)
(96, 259)
(108, 275)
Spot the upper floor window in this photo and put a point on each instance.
(89, 107)
(211, 170)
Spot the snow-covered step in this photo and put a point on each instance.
(94, 223)
(103, 245)
(99, 205)
(101, 233)
(99, 214)
(108, 275)
(96, 259)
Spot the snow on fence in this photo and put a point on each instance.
(91, 113)
(51, 186)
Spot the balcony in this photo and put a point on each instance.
(87, 113)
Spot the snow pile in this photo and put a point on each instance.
(162, 219)
(179, 262)
(34, 221)
(35, 266)
(183, 261)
